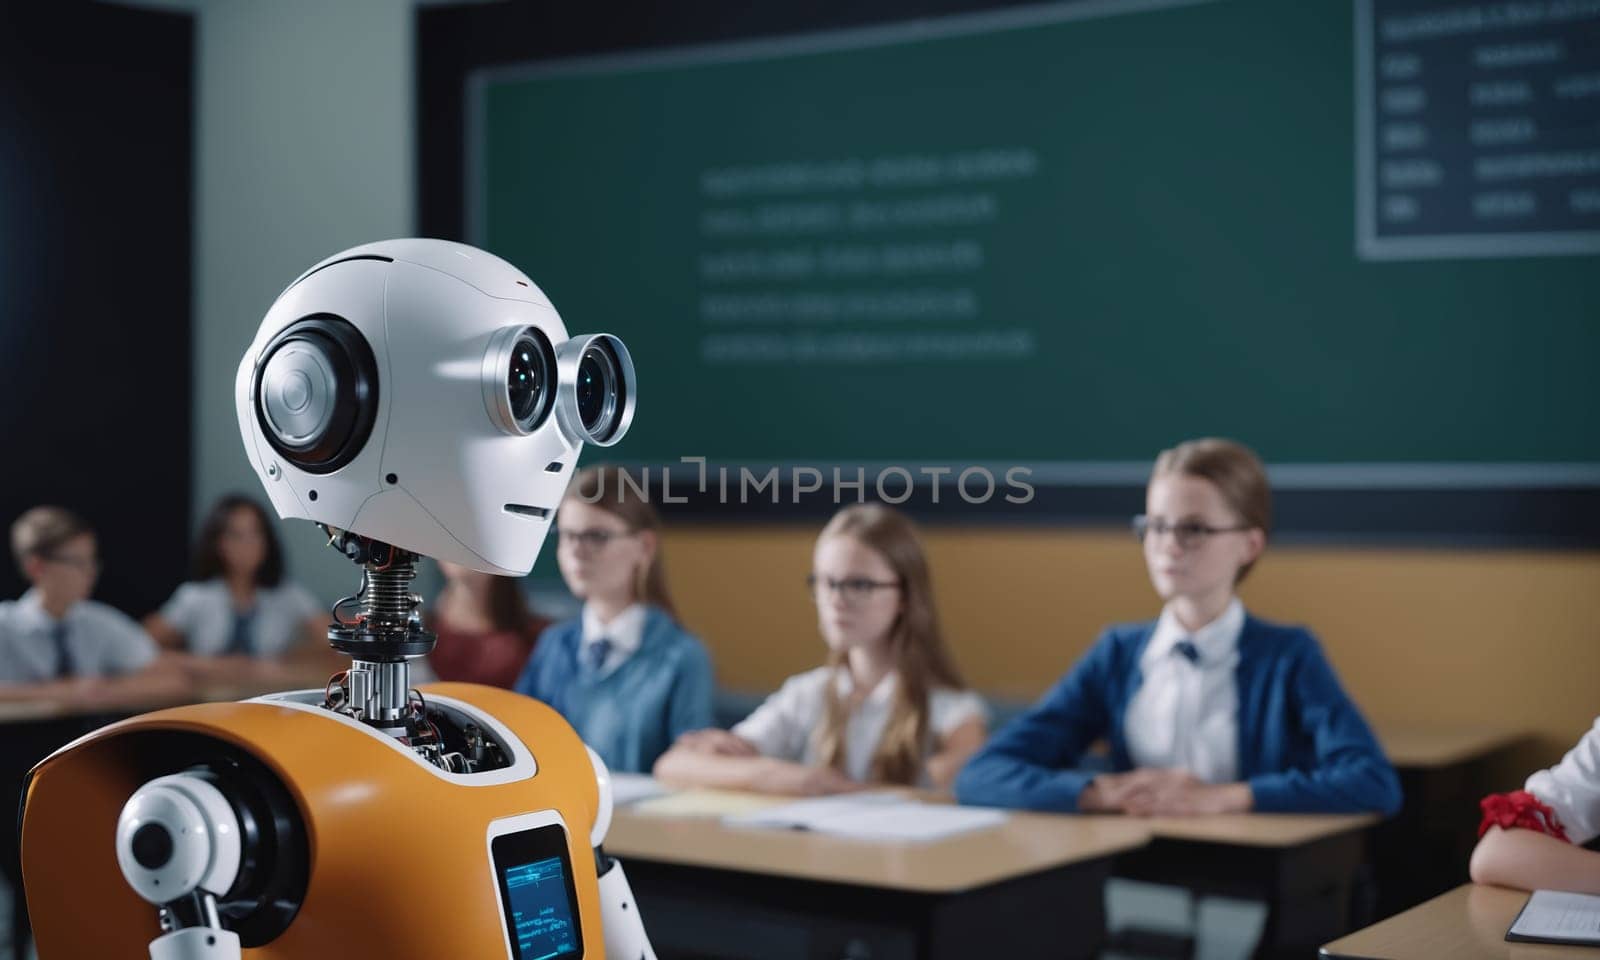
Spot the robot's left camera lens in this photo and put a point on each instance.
(316, 393)
(519, 379)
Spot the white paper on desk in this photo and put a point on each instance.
(628, 788)
(1563, 917)
(873, 816)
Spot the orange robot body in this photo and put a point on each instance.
(401, 858)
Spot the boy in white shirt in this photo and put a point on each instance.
(57, 644)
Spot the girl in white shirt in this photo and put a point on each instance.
(889, 706)
(239, 620)
(1532, 838)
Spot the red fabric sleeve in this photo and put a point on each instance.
(1519, 809)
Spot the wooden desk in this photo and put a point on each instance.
(1468, 923)
(1444, 772)
(1303, 866)
(1426, 748)
(1029, 887)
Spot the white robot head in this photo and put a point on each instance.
(426, 394)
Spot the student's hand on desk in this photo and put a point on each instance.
(1192, 799)
(1116, 792)
(808, 781)
(88, 692)
(712, 740)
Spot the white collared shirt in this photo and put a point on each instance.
(786, 724)
(625, 631)
(1571, 788)
(203, 612)
(1184, 714)
(103, 641)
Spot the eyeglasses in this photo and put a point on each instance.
(1188, 533)
(595, 539)
(81, 564)
(852, 590)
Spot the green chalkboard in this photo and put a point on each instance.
(1054, 238)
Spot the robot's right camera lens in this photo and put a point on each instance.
(597, 389)
(599, 392)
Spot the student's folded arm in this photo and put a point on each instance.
(1350, 772)
(163, 632)
(687, 767)
(954, 750)
(162, 678)
(1026, 764)
(32, 692)
(690, 707)
(1529, 860)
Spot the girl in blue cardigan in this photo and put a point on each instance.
(627, 676)
(1207, 709)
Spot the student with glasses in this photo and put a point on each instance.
(1207, 709)
(888, 707)
(625, 673)
(57, 644)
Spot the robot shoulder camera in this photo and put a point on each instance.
(426, 394)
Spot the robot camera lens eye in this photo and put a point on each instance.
(519, 379)
(596, 384)
(526, 382)
(598, 391)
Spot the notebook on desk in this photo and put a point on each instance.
(886, 817)
(1552, 916)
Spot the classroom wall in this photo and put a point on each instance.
(303, 147)
(1424, 638)
(94, 283)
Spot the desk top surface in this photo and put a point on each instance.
(1468, 923)
(1259, 829)
(1024, 843)
(32, 711)
(1421, 746)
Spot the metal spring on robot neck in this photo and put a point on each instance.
(387, 598)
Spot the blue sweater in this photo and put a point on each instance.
(631, 715)
(1303, 746)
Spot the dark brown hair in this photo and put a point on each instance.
(611, 489)
(921, 657)
(508, 608)
(1236, 472)
(208, 554)
(42, 531)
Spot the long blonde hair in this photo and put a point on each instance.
(922, 661)
(610, 489)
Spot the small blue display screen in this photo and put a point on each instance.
(534, 872)
(539, 911)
